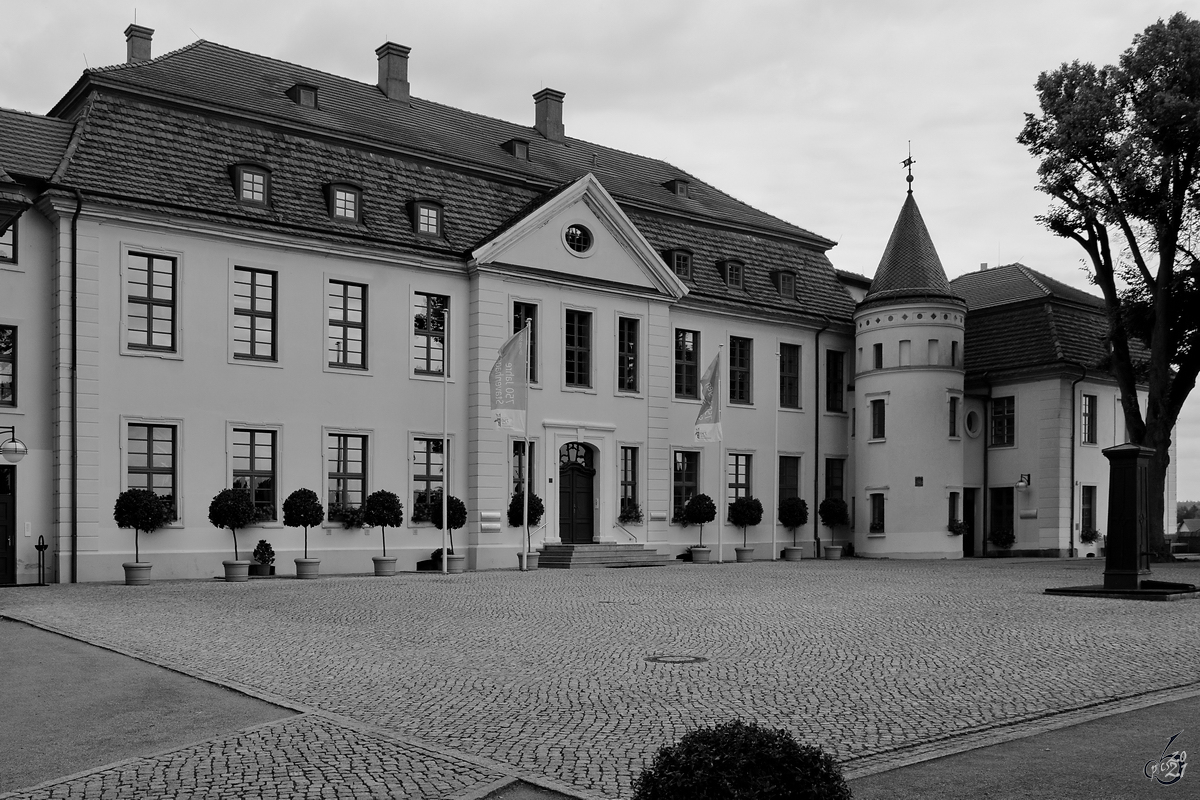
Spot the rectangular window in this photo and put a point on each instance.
(1000, 509)
(254, 468)
(577, 342)
(429, 220)
(1003, 421)
(1087, 424)
(1087, 508)
(789, 477)
(519, 466)
(685, 481)
(346, 203)
(877, 355)
(878, 418)
(150, 462)
(741, 368)
(954, 354)
(347, 325)
(629, 480)
(787, 286)
(789, 376)
(523, 312)
(835, 479)
(428, 472)
(681, 262)
(429, 333)
(952, 509)
(835, 381)
(8, 244)
(151, 302)
(733, 274)
(687, 363)
(905, 352)
(877, 513)
(953, 417)
(253, 185)
(346, 457)
(8, 365)
(253, 314)
(935, 354)
(739, 476)
(627, 354)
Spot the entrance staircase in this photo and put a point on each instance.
(590, 556)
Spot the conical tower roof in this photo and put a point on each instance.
(910, 266)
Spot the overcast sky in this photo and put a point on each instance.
(803, 109)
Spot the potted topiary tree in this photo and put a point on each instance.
(264, 556)
(699, 511)
(233, 509)
(383, 508)
(743, 512)
(142, 510)
(833, 512)
(516, 518)
(760, 763)
(793, 512)
(303, 509)
(456, 510)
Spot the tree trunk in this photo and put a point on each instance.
(383, 533)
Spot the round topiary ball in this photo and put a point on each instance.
(740, 761)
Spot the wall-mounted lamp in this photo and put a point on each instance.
(13, 448)
(1025, 482)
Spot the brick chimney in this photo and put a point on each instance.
(547, 114)
(137, 43)
(393, 71)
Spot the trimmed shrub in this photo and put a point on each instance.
(383, 509)
(516, 510)
(793, 512)
(833, 512)
(232, 509)
(142, 510)
(745, 511)
(700, 510)
(740, 761)
(263, 552)
(303, 509)
(455, 509)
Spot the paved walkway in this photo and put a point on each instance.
(432, 686)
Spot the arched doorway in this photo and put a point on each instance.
(576, 494)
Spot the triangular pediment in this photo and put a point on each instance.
(618, 256)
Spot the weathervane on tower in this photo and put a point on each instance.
(908, 162)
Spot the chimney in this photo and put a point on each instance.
(983, 267)
(137, 43)
(547, 114)
(393, 71)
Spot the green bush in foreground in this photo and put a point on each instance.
(740, 761)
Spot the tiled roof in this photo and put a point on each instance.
(910, 263)
(1013, 283)
(174, 161)
(254, 86)
(32, 145)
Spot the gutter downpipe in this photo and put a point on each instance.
(817, 443)
(1074, 422)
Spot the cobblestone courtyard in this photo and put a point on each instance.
(430, 686)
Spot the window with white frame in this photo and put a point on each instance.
(687, 363)
(150, 302)
(1087, 421)
(685, 481)
(8, 365)
(1004, 421)
(8, 244)
(527, 313)
(953, 417)
(789, 477)
(629, 481)
(739, 476)
(429, 333)
(741, 370)
(877, 513)
(345, 202)
(521, 465)
(254, 468)
(577, 349)
(346, 473)
(789, 376)
(347, 325)
(253, 184)
(150, 455)
(254, 314)
(878, 419)
(835, 381)
(428, 475)
(627, 354)
(428, 219)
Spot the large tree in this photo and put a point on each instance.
(1120, 155)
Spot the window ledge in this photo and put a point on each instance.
(877, 441)
(330, 368)
(692, 401)
(255, 362)
(129, 351)
(876, 535)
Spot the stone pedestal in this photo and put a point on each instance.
(1126, 557)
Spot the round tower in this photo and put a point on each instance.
(908, 450)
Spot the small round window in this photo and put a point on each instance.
(972, 423)
(578, 238)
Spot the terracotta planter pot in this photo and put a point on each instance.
(308, 568)
(385, 566)
(744, 554)
(137, 573)
(455, 564)
(833, 552)
(237, 571)
(262, 570)
(701, 555)
(793, 553)
(527, 561)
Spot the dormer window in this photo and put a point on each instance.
(785, 282)
(427, 218)
(678, 186)
(252, 183)
(303, 94)
(518, 148)
(345, 202)
(680, 262)
(734, 273)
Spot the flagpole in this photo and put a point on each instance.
(721, 467)
(445, 440)
(526, 478)
(775, 493)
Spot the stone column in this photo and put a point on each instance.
(1128, 516)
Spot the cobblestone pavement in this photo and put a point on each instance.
(484, 676)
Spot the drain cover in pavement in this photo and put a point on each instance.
(675, 659)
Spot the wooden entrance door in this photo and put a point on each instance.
(8, 524)
(576, 496)
(968, 519)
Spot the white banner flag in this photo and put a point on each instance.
(708, 421)
(510, 383)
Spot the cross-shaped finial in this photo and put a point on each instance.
(908, 162)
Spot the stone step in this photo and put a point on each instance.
(604, 554)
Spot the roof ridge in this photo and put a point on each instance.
(80, 130)
(7, 110)
(135, 64)
(1033, 277)
(1058, 351)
